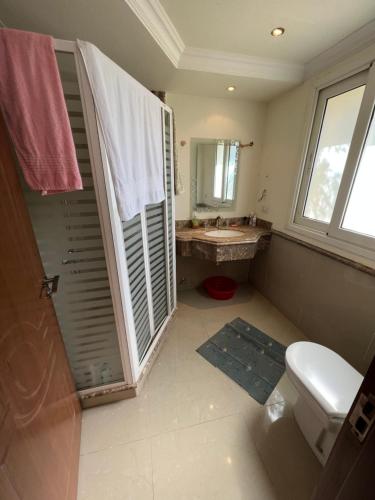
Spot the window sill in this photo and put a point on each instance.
(353, 255)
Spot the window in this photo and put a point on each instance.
(337, 191)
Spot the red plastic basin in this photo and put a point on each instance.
(220, 287)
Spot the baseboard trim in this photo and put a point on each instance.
(105, 396)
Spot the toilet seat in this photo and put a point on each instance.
(324, 376)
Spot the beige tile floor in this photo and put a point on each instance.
(194, 434)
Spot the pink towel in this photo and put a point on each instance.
(33, 105)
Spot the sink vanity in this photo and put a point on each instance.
(221, 245)
(214, 172)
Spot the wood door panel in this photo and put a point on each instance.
(39, 408)
(6, 489)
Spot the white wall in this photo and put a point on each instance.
(287, 124)
(282, 147)
(211, 118)
(332, 303)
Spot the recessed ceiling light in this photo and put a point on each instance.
(278, 31)
(231, 88)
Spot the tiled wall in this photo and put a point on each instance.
(330, 301)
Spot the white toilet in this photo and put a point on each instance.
(326, 386)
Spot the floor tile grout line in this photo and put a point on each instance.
(168, 431)
(244, 413)
(152, 436)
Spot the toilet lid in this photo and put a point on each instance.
(330, 380)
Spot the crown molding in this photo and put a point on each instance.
(228, 63)
(157, 22)
(350, 45)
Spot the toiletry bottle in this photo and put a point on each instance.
(195, 220)
(254, 221)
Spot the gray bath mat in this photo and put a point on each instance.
(248, 356)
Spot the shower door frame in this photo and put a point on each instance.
(112, 235)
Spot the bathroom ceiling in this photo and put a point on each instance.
(202, 47)
(244, 26)
(109, 24)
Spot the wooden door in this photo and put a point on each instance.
(39, 408)
(349, 472)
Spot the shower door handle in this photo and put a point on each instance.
(49, 286)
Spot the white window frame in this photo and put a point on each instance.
(333, 232)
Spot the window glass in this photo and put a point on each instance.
(333, 146)
(360, 212)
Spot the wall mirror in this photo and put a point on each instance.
(214, 168)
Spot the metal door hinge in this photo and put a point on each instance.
(49, 286)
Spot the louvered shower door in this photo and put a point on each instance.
(149, 251)
(137, 278)
(158, 261)
(169, 205)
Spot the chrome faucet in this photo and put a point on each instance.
(219, 221)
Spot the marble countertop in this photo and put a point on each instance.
(251, 235)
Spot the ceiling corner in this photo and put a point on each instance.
(353, 43)
(157, 22)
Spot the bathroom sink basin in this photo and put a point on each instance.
(224, 233)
